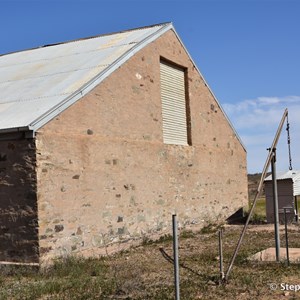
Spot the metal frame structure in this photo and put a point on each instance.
(270, 159)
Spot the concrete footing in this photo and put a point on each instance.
(269, 255)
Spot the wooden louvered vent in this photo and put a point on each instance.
(173, 100)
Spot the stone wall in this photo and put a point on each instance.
(105, 176)
(18, 205)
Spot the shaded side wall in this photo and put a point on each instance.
(18, 204)
(285, 199)
(105, 176)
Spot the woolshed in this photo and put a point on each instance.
(288, 188)
(102, 139)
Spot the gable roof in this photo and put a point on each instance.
(294, 175)
(38, 84)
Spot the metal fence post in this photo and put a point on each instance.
(286, 236)
(221, 254)
(176, 259)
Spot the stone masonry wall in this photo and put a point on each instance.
(18, 203)
(105, 176)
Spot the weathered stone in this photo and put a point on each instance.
(79, 231)
(106, 214)
(141, 218)
(3, 157)
(44, 250)
(97, 241)
(58, 228)
(121, 230)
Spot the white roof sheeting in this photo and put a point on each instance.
(293, 175)
(37, 84)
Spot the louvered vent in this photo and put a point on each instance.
(173, 104)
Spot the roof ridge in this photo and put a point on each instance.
(111, 33)
(86, 38)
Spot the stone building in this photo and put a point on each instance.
(102, 139)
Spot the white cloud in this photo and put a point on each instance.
(256, 121)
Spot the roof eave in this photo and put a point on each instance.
(25, 130)
(15, 129)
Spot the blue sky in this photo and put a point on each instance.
(247, 50)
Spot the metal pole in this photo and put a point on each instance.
(296, 209)
(176, 260)
(286, 237)
(275, 203)
(221, 255)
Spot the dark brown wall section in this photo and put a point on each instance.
(18, 201)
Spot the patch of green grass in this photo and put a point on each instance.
(72, 278)
(260, 207)
(76, 267)
(259, 213)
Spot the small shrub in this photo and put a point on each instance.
(164, 238)
(256, 218)
(185, 234)
(210, 228)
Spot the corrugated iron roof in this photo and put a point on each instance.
(37, 84)
(292, 174)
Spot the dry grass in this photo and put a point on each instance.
(145, 272)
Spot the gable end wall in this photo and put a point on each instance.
(105, 176)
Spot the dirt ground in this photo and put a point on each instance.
(146, 271)
(199, 261)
